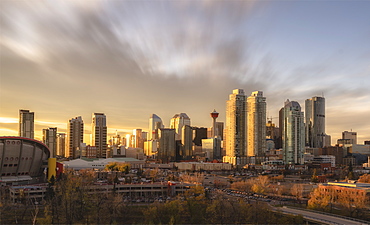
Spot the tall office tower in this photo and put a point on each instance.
(155, 123)
(75, 135)
(327, 140)
(177, 122)
(315, 122)
(166, 145)
(352, 136)
(61, 144)
(99, 134)
(281, 126)
(293, 133)
(199, 133)
(187, 142)
(212, 148)
(129, 141)
(49, 137)
(220, 130)
(26, 124)
(138, 138)
(236, 149)
(256, 124)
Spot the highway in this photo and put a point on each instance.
(323, 218)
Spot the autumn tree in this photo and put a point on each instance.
(261, 184)
(364, 178)
(241, 186)
(314, 178)
(118, 166)
(196, 178)
(319, 199)
(169, 213)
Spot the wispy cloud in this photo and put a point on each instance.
(130, 59)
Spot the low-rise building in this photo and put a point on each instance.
(170, 188)
(197, 166)
(100, 163)
(324, 159)
(347, 194)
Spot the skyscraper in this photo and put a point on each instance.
(177, 122)
(26, 123)
(315, 122)
(75, 134)
(199, 133)
(49, 137)
(256, 124)
(99, 134)
(61, 144)
(187, 142)
(155, 123)
(352, 136)
(138, 138)
(293, 133)
(236, 128)
(166, 145)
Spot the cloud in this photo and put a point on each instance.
(131, 59)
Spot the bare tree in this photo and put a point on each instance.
(297, 191)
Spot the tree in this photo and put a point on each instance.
(168, 213)
(364, 178)
(241, 186)
(314, 178)
(260, 184)
(319, 199)
(118, 166)
(297, 191)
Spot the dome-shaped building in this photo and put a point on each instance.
(22, 160)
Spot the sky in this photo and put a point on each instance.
(130, 59)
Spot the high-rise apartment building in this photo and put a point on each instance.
(315, 122)
(49, 137)
(293, 133)
(155, 123)
(273, 132)
(177, 122)
(256, 124)
(99, 134)
(61, 144)
(75, 135)
(236, 133)
(26, 123)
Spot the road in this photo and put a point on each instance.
(323, 218)
(328, 219)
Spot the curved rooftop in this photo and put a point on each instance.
(22, 158)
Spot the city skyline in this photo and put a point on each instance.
(132, 59)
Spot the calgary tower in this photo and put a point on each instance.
(214, 116)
